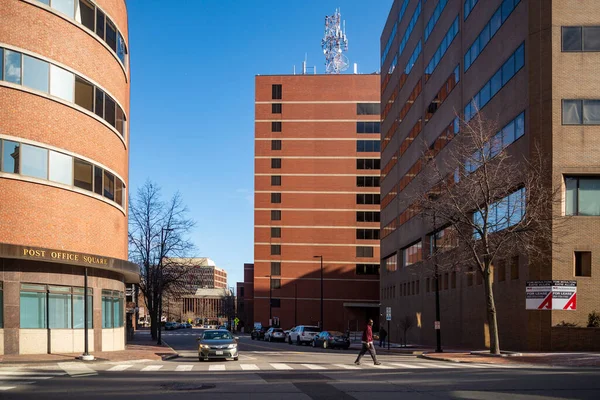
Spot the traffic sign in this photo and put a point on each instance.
(388, 313)
(437, 325)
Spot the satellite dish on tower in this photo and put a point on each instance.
(334, 43)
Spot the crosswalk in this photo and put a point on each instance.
(13, 378)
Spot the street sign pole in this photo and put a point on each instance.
(388, 335)
(388, 317)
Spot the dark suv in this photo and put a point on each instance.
(259, 334)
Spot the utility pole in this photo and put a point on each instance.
(322, 324)
(438, 333)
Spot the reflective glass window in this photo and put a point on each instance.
(33, 310)
(85, 14)
(62, 83)
(107, 312)
(120, 121)
(100, 23)
(61, 168)
(121, 49)
(111, 34)
(1, 63)
(65, 6)
(98, 184)
(35, 73)
(589, 196)
(118, 192)
(12, 66)
(59, 311)
(11, 156)
(34, 162)
(110, 110)
(78, 317)
(84, 94)
(571, 196)
(572, 112)
(99, 105)
(109, 185)
(83, 174)
(591, 112)
(591, 38)
(572, 38)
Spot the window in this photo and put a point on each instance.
(367, 127)
(367, 216)
(410, 27)
(109, 185)
(98, 174)
(111, 35)
(99, 104)
(443, 240)
(367, 181)
(275, 250)
(33, 307)
(62, 83)
(275, 283)
(412, 254)
(364, 251)
(276, 108)
(276, 303)
(121, 48)
(11, 156)
(413, 58)
(367, 108)
(367, 234)
(367, 269)
(276, 92)
(437, 12)
(442, 48)
(100, 24)
(583, 263)
(12, 67)
(120, 121)
(469, 4)
(275, 232)
(34, 162)
(275, 197)
(275, 180)
(582, 196)
(580, 38)
(501, 270)
(514, 267)
(86, 14)
(581, 112)
(367, 198)
(61, 168)
(275, 215)
(112, 309)
(82, 174)
(110, 110)
(119, 187)
(276, 163)
(276, 126)
(35, 73)
(275, 268)
(368, 163)
(391, 263)
(84, 94)
(64, 6)
(390, 40)
(275, 144)
(502, 214)
(59, 307)
(367, 146)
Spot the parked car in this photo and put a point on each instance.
(169, 326)
(303, 334)
(287, 335)
(217, 343)
(258, 334)
(188, 325)
(274, 334)
(331, 339)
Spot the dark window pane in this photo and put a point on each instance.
(83, 174)
(276, 163)
(275, 232)
(121, 49)
(118, 191)
(84, 93)
(275, 268)
(276, 92)
(591, 112)
(275, 126)
(12, 67)
(572, 112)
(276, 108)
(120, 120)
(111, 35)
(99, 107)
(98, 174)
(275, 180)
(276, 215)
(275, 197)
(100, 24)
(275, 144)
(110, 110)
(571, 38)
(109, 185)
(275, 250)
(1, 63)
(11, 154)
(87, 14)
(591, 38)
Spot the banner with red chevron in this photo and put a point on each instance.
(551, 295)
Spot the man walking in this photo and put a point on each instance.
(367, 344)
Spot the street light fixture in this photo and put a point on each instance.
(322, 325)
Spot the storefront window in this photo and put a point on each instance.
(33, 307)
(63, 304)
(78, 304)
(112, 309)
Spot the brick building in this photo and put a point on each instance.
(64, 149)
(202, 273)
(245, 299)
(316, 195)
(533, 65)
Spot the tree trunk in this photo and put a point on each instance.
(153, 323)
(491, 312)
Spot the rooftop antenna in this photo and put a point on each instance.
(334, 43)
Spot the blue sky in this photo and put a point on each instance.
(192, 99)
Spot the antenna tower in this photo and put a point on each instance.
(334, 43)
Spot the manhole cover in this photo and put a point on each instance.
(188, 386)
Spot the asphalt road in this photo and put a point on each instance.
(269, 371)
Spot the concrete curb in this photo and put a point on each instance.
(169, 356)
(428, 357)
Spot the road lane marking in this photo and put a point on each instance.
(7, 387)
(249, 367)
(440, 365)
(151, 368)
(346, 366)
(184, 368)
(216, 367)
(29, 373)
(313, 366)
(407, 365)
(16, 378)
(120, 367)
(75, 369)
(281, 366)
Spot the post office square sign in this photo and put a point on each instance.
(551, 295)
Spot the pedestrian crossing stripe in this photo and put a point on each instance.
(313, 366)
(249, 367)
(281, 366)
(151, 368)
(219, 367)
(346, 366)
(183, 368)
(120, 367)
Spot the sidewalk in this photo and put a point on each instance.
(142, 347)
(539, 359)
(395, 348)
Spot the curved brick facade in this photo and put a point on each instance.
(71, 225)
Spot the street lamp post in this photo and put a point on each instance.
(438, 327)
(160, 282)
(322, 324)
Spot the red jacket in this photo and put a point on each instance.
(367, 335)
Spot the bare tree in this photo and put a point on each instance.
(158, 233)
(405, 324)
(483, 203)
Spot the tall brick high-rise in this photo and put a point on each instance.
(316, 199)
(64, 167)
(533, 65)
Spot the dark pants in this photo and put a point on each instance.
(382, 341)
(370, 349)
